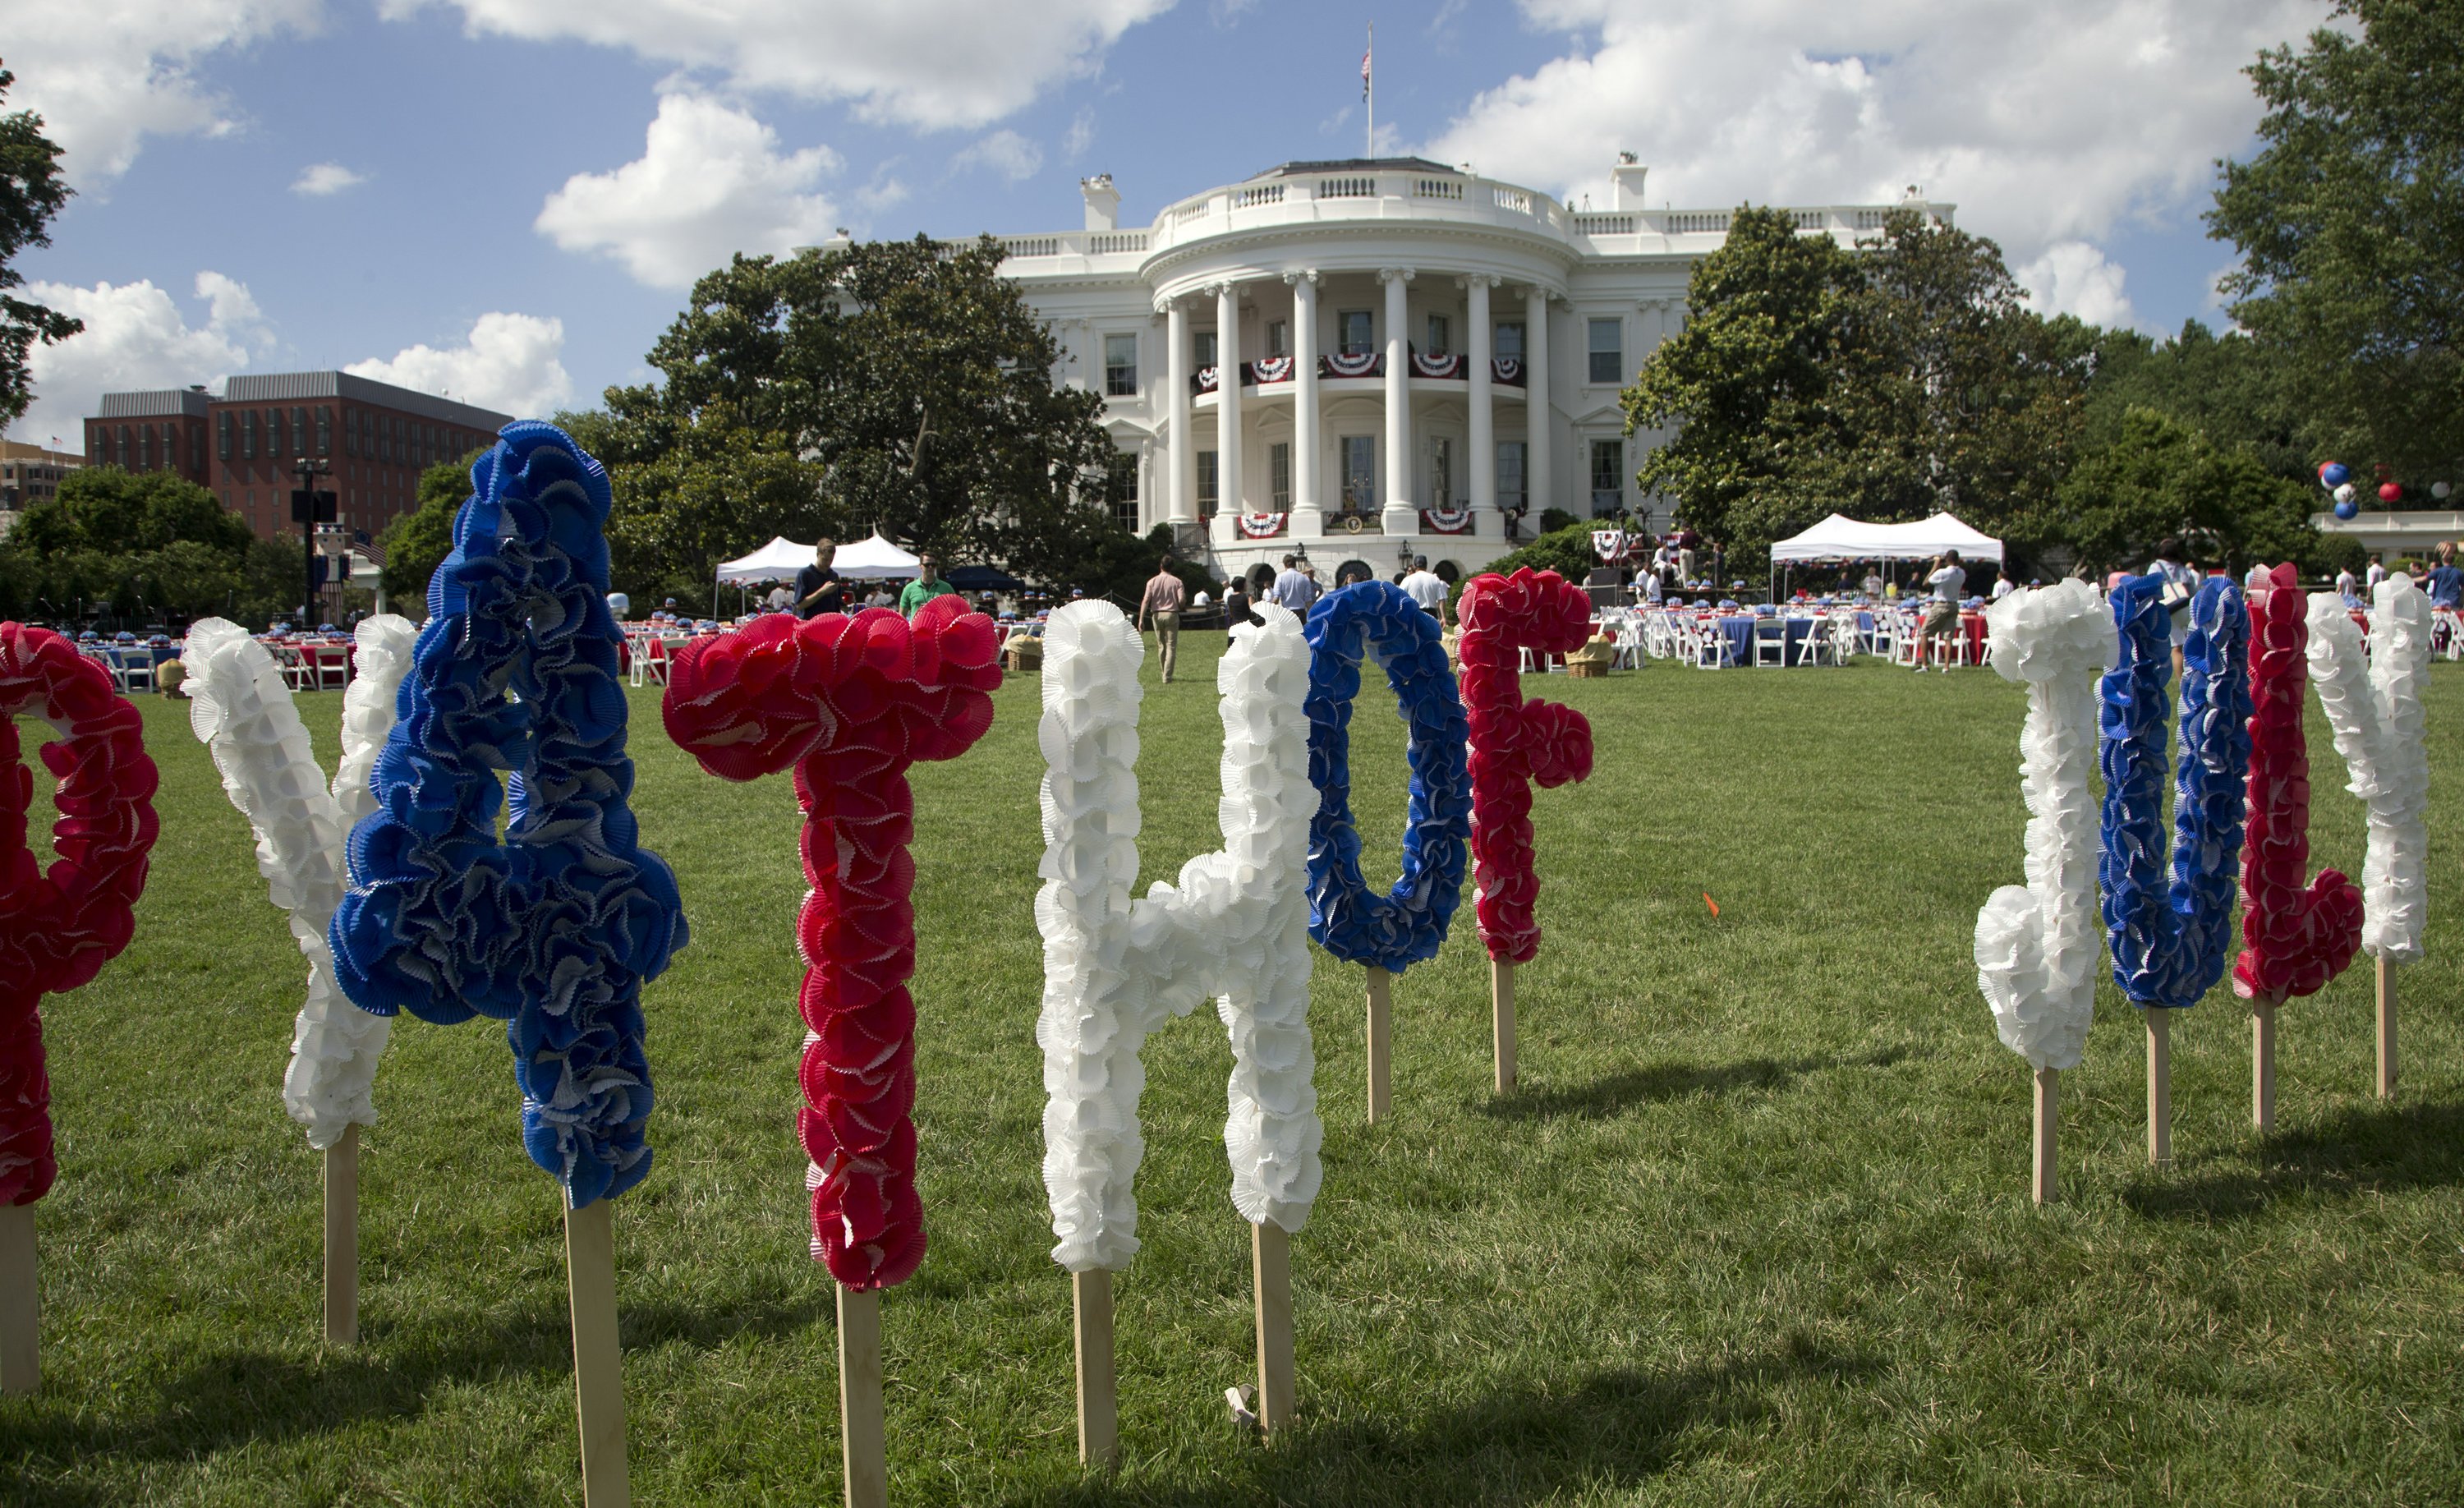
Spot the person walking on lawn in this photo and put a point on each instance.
(1162, 601)
(927, 585)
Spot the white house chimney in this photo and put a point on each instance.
(1625, 183)
(1103, 202)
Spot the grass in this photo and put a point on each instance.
(1755, 1229)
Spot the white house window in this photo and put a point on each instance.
(1278, 338)
(1359, 472)
(1206, 349)
(1128, 511)
(1279, 474)
(1608, 351)
(1441, 471)
(1509, 339)
(1608, 476)
(1355, 333)
(1510, 456)
(1441, 336)
(1206, 484)
(1120, 366)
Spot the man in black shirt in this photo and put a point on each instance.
(818, 588)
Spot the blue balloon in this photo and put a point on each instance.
(1347, 918)
(2348, 509)
(2334, 474)
(555, 929)
(2171, 944)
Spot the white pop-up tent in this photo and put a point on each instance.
(872, 559)
(1839, 538)
(779, 560)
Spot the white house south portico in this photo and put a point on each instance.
(1374, 358)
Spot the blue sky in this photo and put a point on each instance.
(517, 191)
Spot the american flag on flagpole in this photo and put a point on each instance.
(1364, 74)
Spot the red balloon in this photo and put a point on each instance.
(2389, 492)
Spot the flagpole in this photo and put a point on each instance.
(1369, 85)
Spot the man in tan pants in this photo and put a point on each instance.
(1162, 601)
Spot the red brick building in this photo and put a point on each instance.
(247, 443)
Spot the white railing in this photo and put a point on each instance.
(1437, 188)
(1194, 210)
(1604, 225)
(1075, 243)
(1697, 222)
(1347, 188)
(1515, 199)
(1110, 243)
(1032, 245)
(1260, 194)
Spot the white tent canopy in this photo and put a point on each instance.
(779, 560)
(1839, 538)
(874, 560)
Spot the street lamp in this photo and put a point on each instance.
(309, 508)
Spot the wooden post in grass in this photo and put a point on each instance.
(598, 1378)
(2386, 1031)
(2262, 1064)
(864, 1452)
(1271, 1272)
(21, 1356)
(2048, 1130)
(1381, 1089)
(1099, 1412)
(1501, 1003)
(2160, 1086)
(342, 1239)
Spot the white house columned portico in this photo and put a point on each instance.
(1375, 358)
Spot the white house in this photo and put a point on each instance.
(1422, 354)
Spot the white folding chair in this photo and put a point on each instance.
(1843, 634)
(1771, 642)
(329, 667)
(1811, 643)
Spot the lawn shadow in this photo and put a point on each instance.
(1516, 1446)
(1604, 1098)
(245, 1395)
(2367, 1149)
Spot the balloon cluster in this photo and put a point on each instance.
(2169, 944)
(555, 927)
(57, 929)
(2338, 479)
(850, 702)
(2294, 937)
(1515, 742)
(1350, 920)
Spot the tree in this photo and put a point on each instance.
(417, 542)
(907, 383)
(32, 194)
(2162, 477)
(2348, 220)
(141, 546)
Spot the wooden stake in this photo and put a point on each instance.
(21, 1357)
(1501, 1003)
(2160, 1086)
(2386, 1031)
(2048, 1128)
(342, 1239)
(1099, 1414)
(864, 1452)
(2262, 1064)
(1271, 1271)
(1381, 1089)
(598, 1378)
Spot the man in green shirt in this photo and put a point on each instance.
(926, 586)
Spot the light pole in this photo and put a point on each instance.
(304, 508)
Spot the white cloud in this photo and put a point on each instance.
(509, 363)
(2075, 278)
(710, 182)
(325, 179)
(931, 63)
(1082, 134)
(135, 337)
(1007, 153)
(2044, 120)
(106, 73)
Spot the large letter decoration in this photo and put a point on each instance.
(2038, 945)
(556, 929)
(241, 707)
(2297, 933)
(1515, 743)
(57, 926)
(850, 704)
(2169, 943)
(1386, 933)
(1115, 968)
(2374, 702)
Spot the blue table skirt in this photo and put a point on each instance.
(1739, 632)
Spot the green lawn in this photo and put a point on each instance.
(1756, 1230)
